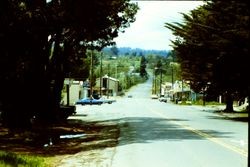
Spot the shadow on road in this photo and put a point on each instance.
(233, 118)
(97, 135)
(146, 130)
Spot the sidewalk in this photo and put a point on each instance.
(238, 115)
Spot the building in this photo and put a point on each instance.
(73, 91)
(107, 86)
(166, 89)
(180, 90)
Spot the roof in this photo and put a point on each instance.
(114, 79)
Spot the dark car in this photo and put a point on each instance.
(90, 101)
(130, 96)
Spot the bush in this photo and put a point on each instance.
(200, 102)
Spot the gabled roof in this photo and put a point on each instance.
(113, 79)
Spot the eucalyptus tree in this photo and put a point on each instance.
(44, 41)
(212, 46)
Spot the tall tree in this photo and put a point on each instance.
(143, 66)
(42, 42)
(212, 48)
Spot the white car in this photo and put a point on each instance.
(163, 99)
(105, 100)
(154, 96)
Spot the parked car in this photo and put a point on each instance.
(154, 96)
(163, 99)
(105, 100)
(130, 96)
(67, 111)
(90, 101)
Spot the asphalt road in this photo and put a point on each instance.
(158, 134)
(168, 135)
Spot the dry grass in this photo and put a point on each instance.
(46, 142)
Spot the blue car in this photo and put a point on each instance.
(90, 101)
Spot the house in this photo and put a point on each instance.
(75, 90)
(180, 91)
(107, 86)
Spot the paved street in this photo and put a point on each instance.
(154, 133)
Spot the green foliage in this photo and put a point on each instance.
(200, 102)
(168, 66)
(43, 43)
(125, 68)
(212, 47)
(8, 159)
(143, 66)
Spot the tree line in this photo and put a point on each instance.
(134, 51)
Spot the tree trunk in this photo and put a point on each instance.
(229, 103)
(54, 80)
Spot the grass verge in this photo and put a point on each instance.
(10, 159)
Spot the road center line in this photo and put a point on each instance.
(205, 135)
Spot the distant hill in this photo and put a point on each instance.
(136, 51)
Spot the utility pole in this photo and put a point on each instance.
(172, 76)
(101, 76)
(182, 88)
(68, 90)
(160, 80)
(155, 81)
(91, 72)
(108, 80)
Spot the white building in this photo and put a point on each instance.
(73, 91)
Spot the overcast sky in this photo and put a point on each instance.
(148, 31)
